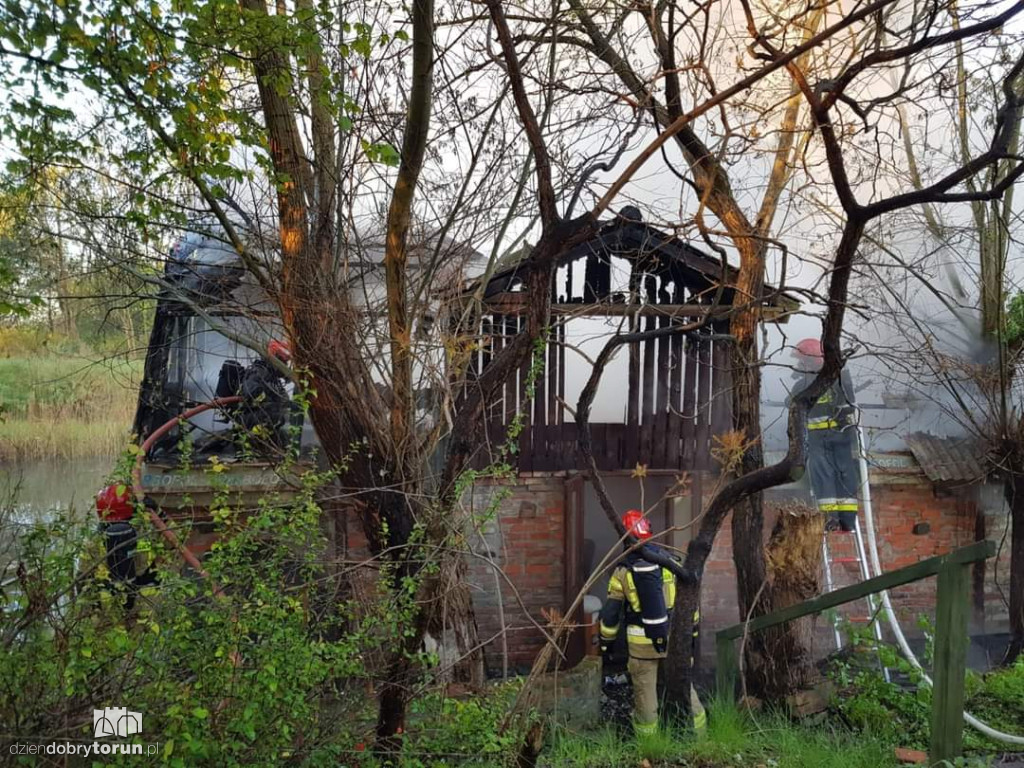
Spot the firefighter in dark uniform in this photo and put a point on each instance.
(642, 594)
(831, 441)
(129, 567)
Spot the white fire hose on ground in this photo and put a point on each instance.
(890, 614)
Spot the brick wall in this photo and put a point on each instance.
(718, 606)
(521, 528)
(914, 523)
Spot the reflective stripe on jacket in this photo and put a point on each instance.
(834, 409)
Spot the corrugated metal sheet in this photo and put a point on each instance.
(948, 459)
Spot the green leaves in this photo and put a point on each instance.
(1014, 333)
(172, 659)
(382, 153)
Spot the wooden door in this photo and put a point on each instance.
(574, 576)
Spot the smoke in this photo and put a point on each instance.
(918, 358)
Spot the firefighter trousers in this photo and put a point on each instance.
(834, 472)
(644, 674)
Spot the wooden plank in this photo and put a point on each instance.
(552, 377)
(525, 443)
(649, 383)
(690, 403)
(965, 555)
(660, 444)
(615, 434)
(496, 408)
(675, 422)
(599, 444)
(516, 304)
(569, 446)
(561, 373)
(613, 446)
(702, 436)
(551, 417)
(633, 394)
(951, 610)
(630, 446)
(508, 388)
(538, 408)
(487, 331)
(721, 384)
(540, 388)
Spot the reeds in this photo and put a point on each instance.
(63, 407)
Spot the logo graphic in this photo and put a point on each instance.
(115, 721)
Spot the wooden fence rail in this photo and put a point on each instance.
(952, 602)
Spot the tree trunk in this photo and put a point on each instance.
(711, 180)
(752, 592)
(753, 588)
(1014, 490)
(794, 565)
(395, 695)
(461, 622)
(454, 629)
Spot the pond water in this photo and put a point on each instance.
(40, 487)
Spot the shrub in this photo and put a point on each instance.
(446, 731)
(901, 715)
(250, 678)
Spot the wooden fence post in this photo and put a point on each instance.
(725, 667)
(952, 604)
(953, 571)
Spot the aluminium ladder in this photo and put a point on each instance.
(860, 558)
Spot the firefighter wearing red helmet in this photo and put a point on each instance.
(115, 507)
(641, 594)
(831, 440)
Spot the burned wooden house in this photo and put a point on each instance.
(655, 415)
(656, 412)
(660, 401)
(654, 419)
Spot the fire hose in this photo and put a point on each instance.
(890, 614)
(158, 522)
(140, 493)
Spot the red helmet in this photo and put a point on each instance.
(810, 348)
(280, 350)
(636, 524)
(114, 503)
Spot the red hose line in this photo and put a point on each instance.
(140, 492)
(168, 534)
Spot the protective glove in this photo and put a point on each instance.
(606, 651)
(660, 644)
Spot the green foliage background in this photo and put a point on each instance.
(70, 645)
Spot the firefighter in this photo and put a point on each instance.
(642, 593)
(831, 441)
(115, 508)
(264, 410)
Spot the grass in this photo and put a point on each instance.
(734, 738)
(902, 716)
(65, 407)
(998, 699)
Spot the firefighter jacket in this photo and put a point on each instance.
(641, 595)
(835, 408)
